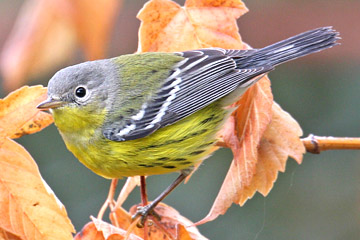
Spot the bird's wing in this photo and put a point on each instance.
(203, 77)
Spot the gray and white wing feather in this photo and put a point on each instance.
(203, 77)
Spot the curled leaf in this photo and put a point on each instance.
(19, 115)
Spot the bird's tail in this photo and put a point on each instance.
(300, 45)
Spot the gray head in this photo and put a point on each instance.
(81, 85)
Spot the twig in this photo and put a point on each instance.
(317, 144)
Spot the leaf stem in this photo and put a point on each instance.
(109, 200)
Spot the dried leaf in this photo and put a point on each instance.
(170, 221)
(27, 209)
(4, 235)
(182, 233)
(279, 141)
(18, 112)
(120, 217)
(111, 232)
(252, 117)
(89, 232)
(242, 133)
(166, 26)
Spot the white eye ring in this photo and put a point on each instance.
(81, 93)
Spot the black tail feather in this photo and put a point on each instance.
(300, 45)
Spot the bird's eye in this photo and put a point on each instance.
(80, 92)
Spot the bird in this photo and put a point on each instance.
(155, 113)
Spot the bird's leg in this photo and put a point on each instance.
(109, 200)
(144, 211)
(144, 198)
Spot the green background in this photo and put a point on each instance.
(318, 199)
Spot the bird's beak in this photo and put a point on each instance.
(50, 103)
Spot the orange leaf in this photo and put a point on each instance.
(7, 235)
(111, 232)
(165, 26)
(19, 115)
(89, 232)
(182, 233)
(120, 217)
(242, 133)
(171, 221)
(252, 117)
(28, 207)
(280, 141)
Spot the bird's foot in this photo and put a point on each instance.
(144, 212)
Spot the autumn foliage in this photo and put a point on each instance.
(260, 134)
(28, 207)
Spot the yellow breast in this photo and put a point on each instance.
(172, 148)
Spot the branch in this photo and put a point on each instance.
(316, 144)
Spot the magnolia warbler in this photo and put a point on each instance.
(156, 113)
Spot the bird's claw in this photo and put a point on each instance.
(144, 212)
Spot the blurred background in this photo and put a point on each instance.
(319, 199)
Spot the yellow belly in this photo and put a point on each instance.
(172, 148)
